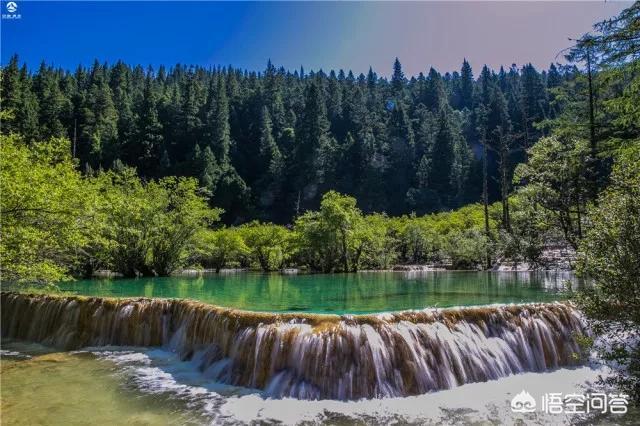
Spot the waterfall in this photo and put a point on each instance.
(311, 356)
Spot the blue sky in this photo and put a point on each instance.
(314, 35)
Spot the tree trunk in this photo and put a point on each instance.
(504, 183)
(485, 199)
(345, 260)
(593, 163)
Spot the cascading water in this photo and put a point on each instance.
(310, 356)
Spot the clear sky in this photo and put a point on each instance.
(315, 35)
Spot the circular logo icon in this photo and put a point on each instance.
(12, 6)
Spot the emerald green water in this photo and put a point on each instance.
(359, 293)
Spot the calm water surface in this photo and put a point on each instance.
(364, 292)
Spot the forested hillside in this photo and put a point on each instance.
(267, 145)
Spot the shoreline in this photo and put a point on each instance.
(297, 271)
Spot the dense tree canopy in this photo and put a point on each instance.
(268, 145)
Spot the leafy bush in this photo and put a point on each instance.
(269, 245)
(218, 249)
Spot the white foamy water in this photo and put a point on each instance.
(477, 402)
(160, 373)
(13, 354)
